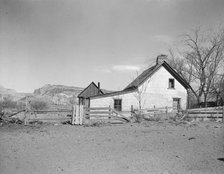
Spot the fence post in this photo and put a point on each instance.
(132, 110)
(77, 114)
(25, 117)
(166, 112)
(80, 114)
(154, 111)
(27, 110)
(73, 115)
(84, 115)
(110, 112)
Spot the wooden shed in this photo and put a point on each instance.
(89, 91)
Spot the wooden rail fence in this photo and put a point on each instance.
(206, 114)
(153, 112)
(47, 115)
(79, 114)
(104, 113)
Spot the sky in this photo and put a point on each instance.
(75, 42)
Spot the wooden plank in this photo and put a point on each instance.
(98, 112)
(199, 116)
(73, 115)
(77, 115)
(152, 110)
(99, 115)
(16, 113)
(223, 114)
(106, 118)
(101, 108)
(118, 114)
(48, 119)
(81, 112)
(205, 112)
(51, 111)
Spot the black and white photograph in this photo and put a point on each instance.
(111, 86)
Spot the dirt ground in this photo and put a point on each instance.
(149, 147)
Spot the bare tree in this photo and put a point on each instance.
(217, 89)
(140, 94)
(201, 61)
(181, 66)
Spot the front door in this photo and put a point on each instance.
(176, 103)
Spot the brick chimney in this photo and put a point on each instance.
(161, 58)
(98, 87)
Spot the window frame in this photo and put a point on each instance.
(118, 106)
(170, 83)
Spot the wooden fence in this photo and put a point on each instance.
(206, 114)
(104, 113)
(47, 115)
(164, 112)
(79, 115)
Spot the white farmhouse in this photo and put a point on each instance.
(158, 86)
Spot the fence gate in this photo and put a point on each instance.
(81, 113)
(77, 115)
(107, 114)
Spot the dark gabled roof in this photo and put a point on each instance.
(99, 91)
(147, 73)
(178, 77)
(141, 78)
(114, 93)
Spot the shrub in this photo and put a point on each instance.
(38, 104)
(7, 103)
(137, 117)
(20, 105)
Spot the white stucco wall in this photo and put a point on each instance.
(156, 94)
(128, 99)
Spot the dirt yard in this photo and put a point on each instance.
(149, 147)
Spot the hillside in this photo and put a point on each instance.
(51, 90)
(54, 95)
(59, 94)
(11, 93)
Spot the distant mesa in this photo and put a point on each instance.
(52, 94)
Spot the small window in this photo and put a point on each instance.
(118, 104)
(171, 83)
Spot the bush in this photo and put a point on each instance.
(137, 117)
(7, 103)
(21, 105)
(38, 104)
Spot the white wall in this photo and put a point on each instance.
(156, 94)
(128, 99)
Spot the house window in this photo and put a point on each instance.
(171, 83)
(176, 104)
(118, 104)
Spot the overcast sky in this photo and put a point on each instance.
(75, 42)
